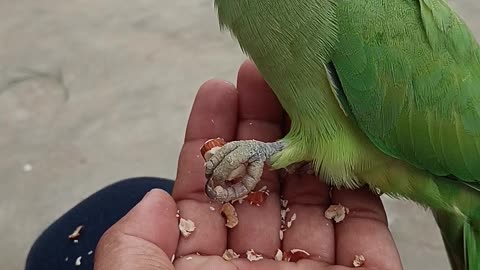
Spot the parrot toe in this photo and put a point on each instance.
(234, 170)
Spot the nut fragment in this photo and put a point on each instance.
(186, 227)
(78, 261)
(358, 261)
(279, 255)
(294, 255)
(76, 233)
(257, 197)
(292, 219)
(253, 256)
(230, 254)
(210, 146)
(336, 212)
(228, 210)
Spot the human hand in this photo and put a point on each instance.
(147, 237)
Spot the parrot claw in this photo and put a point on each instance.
(243, 160)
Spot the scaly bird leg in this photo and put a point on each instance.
(250, 155)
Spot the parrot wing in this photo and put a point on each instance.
(411, 77)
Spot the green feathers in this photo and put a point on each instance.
(380, 92)
(413, 83)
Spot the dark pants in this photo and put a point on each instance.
(54, 251)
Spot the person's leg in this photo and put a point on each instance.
(53, 250)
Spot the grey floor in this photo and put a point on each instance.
(95, 91)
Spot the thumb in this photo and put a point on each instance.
(145, 238)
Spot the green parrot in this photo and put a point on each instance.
(382, 93)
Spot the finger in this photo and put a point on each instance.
(260, 118)
(308, 198)
(143, 239)
(364, 231)
(214, 114)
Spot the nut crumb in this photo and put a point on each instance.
(294, 255)
(279, 255)
(78, 261)
(177, 214)
(292, 219)
(283, 213)
(358, 261)
(257, 197)
(186, 227)
(336, 212)
(230, 254)
(189, 258)
(212, 208)
(253, 256)
(66, 259)
(76, 233)
(90, 252)
(228, 210)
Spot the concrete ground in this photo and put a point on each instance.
(96, 91)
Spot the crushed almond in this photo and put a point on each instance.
(228, 210)
(283, 213)
(186, 227)
(76, 233)
(78, 261)
(253, 256)
(294, 255)
(358, 261)
(292, 219)
(230, 254)
(336, 212)
(257, 197)
(279, 255)
(177, 214)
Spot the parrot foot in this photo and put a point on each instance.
(239, 160)
(303, 167)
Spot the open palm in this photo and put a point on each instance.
(249, 111)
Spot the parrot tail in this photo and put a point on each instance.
(461, 238)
